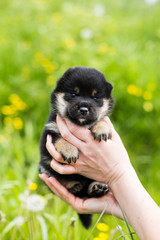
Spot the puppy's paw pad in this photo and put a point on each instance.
(97, 189)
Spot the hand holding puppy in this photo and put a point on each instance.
(114, 168)
(103, 161)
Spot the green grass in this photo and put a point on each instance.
(39, 40)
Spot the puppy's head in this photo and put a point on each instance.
(82, 95)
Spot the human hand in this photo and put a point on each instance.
(102, 161)
(88, 206)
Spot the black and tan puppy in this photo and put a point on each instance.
(82, 96)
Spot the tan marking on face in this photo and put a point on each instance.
(103, 111)
(61, 104)
(94, 92)
(77, 90)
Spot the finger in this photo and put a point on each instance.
(76, 202)
(66, 134)
(51, 149)
(62, 169)
(45, 178)
(63, 193)
(60, 190)
(79, 134)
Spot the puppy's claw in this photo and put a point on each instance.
(70, 159)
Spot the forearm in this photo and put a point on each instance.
(141, 211)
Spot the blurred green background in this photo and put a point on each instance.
(39, 40)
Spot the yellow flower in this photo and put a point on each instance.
(14, 98)
(45, 62)
(102, 227)
(147, 95)
(69, 43)
(38, 56)
(148, 106)
(32, 186)
(50, 80)
(17, 123)
(134, 90)
(103, 48)
(103, 236)
(96, 238)
(56, 17)
(7, 120)
(49, 68)
(8, 110)
(17, 102)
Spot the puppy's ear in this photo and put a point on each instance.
(109, 88)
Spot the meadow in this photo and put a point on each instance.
(39, 40)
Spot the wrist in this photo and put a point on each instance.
(122, 177)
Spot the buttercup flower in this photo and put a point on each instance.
(147, 95)
(17, 123)
(32, 186)
(102, 227)
(103, 236)
(148, 106)
(50, 80)
(134, 90)
(56, 17)
(69, 43)
(8, 110)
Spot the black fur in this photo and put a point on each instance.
(79, 97)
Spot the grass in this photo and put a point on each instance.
(39, 40)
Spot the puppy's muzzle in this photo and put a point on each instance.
(84, 111)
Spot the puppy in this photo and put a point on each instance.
(83, 97)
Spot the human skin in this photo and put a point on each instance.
(114, 168)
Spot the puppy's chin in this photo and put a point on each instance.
(81, 120)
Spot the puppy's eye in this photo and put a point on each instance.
(73, 95)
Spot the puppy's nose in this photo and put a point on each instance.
(84, 110)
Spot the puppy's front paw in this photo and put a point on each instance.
(68, 151)
(101, 131)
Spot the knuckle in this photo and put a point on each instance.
(59, 158)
